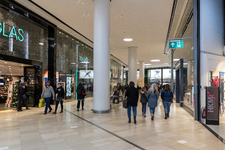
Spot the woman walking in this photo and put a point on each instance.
(46, 94)
(167, 97)
(143, 100)
(60, 97)
(21, 96)
(152, 96)
(80, 95)
(132, 100)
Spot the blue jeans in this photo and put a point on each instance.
(166, 106)
(143, 108)
(134, 111)
(152, 111)
(47, 105)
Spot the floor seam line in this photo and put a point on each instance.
(105, 130)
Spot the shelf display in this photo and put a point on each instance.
(15, 94)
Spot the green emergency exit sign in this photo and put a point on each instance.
(176, 44)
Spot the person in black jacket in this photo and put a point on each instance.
(60, 97)
(27, 95)
(132, 100)
(80, 95)
(21, 96)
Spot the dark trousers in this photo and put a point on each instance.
(19, 105)
(36, 101)
(78, 104)
(26, 102)
(56, 105)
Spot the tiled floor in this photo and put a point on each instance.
(84, 130)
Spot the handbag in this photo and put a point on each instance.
(83, 93)
(170, 97)
(125, 105)
(24, 96)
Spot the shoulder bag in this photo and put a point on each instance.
(170, 97)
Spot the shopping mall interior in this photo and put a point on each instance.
(101, 46)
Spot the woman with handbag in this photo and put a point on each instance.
(152, 96)
(167, 97)
(80, 95)
(132, 100)
(21, 96)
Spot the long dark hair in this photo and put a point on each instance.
(167, 87)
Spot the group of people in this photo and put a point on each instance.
(48, 94)
(151, 97)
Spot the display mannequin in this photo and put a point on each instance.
(216, 81)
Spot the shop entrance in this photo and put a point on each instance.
(11, 75)
(179, 82)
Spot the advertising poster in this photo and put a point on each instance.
(68, 86)
(212, 105)
(156, 74)
(86, 74)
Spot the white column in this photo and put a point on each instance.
(189, 72)
(132, 76)
(142, 72)
(101, 56)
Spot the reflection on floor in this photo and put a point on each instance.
(83, 130)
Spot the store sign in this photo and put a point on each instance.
(86, 74)
(83, 59)
(17, 33)
(212, 105)
(176, 44)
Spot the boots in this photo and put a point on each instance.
(129, 120)
(152, 117)
(168, 116)
(165, 116)
(135, 120)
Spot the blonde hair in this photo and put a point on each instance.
(143, 90)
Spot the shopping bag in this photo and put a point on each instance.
(41, 103)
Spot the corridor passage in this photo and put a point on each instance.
(83, 130)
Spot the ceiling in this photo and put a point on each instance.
(145, 21)
(12, 68)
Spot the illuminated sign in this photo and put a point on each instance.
(83, 59)
(18, 34)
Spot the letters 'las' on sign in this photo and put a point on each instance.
(176, 44)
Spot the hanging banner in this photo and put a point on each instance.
(212, 105)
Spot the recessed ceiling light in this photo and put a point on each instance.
(9, 66)
(148, 64)
(41, 43)
(176, 59)
(128, 39)
(155, 60)
(6, 62)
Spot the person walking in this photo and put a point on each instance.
(116, 95)
(21, 96)
(60, 97)
(143, 100)
(80, 95)
(46, 94)
(167, 97)
(152, 96)
(27, 95)
(132, 100)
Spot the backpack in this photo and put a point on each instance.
(79, 91)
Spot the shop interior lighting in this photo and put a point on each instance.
(85, 62)
(176, 59)
(155, 60)
(41, 43)
(73, 63)
(128, 39)
(148, 64)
